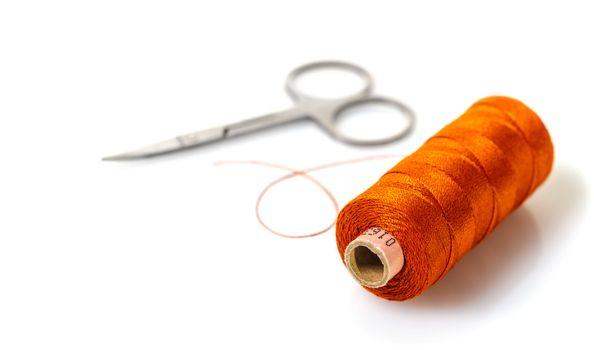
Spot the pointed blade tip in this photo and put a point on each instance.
(119, 157)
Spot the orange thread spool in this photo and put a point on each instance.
(442, 200)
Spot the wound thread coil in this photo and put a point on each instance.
(445, 198)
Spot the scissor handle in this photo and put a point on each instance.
(329, 120)
(326, 111)
(298, 96)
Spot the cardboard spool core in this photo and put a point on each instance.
(374, 257)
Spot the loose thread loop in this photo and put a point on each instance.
(305, 173)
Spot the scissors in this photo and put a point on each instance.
(324, 111)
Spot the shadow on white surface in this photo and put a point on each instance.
(498, 268)
(492, 268)
(504, 261)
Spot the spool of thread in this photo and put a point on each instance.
(411, 227)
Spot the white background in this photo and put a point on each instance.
(167, 253)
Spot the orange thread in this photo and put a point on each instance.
(446, 197)
(305, 174)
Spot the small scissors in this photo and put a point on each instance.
(323, 110)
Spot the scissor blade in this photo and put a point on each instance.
(175, 144)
